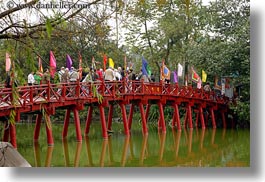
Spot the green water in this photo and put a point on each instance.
(188, 148)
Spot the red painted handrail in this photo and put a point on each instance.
(63, 94)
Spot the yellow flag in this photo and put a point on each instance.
(111, 63)
(204, 76)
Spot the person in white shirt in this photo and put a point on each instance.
(109, 74)
(117, 75)
(61, 72)
(31, 79)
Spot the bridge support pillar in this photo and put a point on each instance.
(10, 133)
(88, 119)
(197, 118)
(147, 111)
(176, 119)
(66, 123)
(48, 126)
(186, 119)
(37, 127)
(162, 118)
(130, 116)
(144, 129)
(124, 118)
(76, 121)
(13, 138)
(110, 114)
(6, 132)
(190, 116)
(201, 117)
(103, 122)
(213, 117)
(223, 119)
(77, 125)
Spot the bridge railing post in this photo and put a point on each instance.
(48, 91)
(77, 88)
(31, 95)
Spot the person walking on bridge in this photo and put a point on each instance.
(207, 87)
(31, 79)
(46, 77)
(74, 76)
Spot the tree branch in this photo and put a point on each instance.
(39, 27)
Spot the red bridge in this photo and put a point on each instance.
(44, 99)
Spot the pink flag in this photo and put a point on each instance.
(8, 62)
(52, 64)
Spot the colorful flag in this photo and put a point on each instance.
(204, 76)
(80, 65)
(199, 84)
(175, 76)
(69, 62)
(8, 62)
(145, 68)
(217, 83)
(105, 59)
(111, 63)
(180, 69)
(52, 64)
(194, 76)
(40, 65)
(164, 72)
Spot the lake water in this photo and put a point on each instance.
(188, 148)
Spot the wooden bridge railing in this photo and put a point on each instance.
(28, 95)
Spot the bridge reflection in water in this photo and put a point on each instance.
(186, 148)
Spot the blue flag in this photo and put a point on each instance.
(145, 68)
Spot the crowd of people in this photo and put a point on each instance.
(110, 74)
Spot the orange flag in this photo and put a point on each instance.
(40, 65)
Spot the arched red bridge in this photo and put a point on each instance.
(46, 98)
